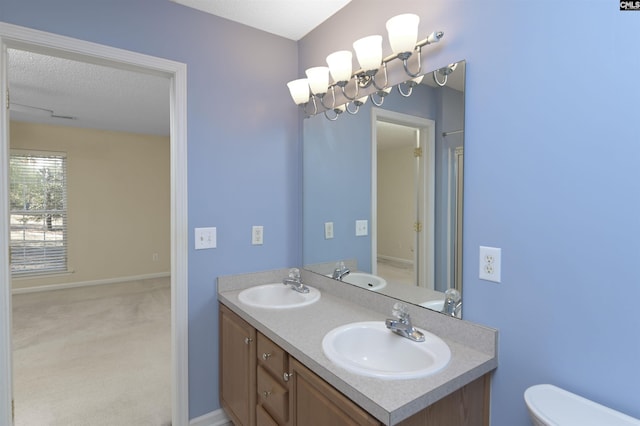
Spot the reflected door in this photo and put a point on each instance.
(404, 203)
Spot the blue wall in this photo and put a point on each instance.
(551, 176)
(243, 141)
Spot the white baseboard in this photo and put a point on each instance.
(395, 259)
(214, 418)
(88, 283)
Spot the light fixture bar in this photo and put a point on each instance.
(401, 30)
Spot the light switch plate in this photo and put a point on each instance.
(206, 238)
(362, 228)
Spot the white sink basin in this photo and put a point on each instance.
(370, 349)
(364, 280)
(277, 296)
(436, 305)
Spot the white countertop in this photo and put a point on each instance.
(300, 331)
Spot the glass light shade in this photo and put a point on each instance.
(318, 79)
(403, 32)
(340, 65)
(369, 52)
(299, 90)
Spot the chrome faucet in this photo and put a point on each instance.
(452, 302)
(402, 324)
(295, 282)
(340, 272)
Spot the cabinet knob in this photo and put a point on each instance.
(247, 340)
(286, 376)
(266, 356)
(266, 394)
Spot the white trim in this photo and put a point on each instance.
(428, 144)
(36, 289)
(214, 418)
(396, 260)
(6, 367)
(47, 43)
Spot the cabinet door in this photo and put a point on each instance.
(316, 403)
(237, 368)
(468, 406)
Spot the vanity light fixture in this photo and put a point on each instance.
(403, 33)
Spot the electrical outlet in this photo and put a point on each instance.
(490, 263)
(328, 230)
(257, 235)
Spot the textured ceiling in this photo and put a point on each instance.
(291, 19)
(59, 91)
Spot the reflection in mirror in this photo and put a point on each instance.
(383, 193)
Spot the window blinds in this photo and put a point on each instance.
(38, 212)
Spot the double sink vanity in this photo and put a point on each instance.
(341, 355)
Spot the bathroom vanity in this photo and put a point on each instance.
(273, 370)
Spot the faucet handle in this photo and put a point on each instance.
(400, 311)
(294, 274)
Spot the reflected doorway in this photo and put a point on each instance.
(403, 204)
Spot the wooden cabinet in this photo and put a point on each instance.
(260, 384)
(468, 406)
(237, 368)
(315, 403)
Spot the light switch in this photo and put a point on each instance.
(362, 228)
(206, 238)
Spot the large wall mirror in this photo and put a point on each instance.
(383, 192)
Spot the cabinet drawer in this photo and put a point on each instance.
(263, 418)
(272, 357)
(273, 396)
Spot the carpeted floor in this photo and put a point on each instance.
(93, 356)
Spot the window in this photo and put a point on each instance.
(38, 207)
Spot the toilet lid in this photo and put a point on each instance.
(557, 407)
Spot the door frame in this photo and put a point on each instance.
(13, 36)
(424, 257)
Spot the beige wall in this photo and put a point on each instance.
(396, 203)
(118, 198)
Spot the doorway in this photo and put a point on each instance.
(403, 200)
(31, 40)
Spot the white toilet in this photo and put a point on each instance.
(552, 406)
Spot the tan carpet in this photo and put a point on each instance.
(93, 356)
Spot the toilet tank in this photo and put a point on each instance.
(549, 405)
